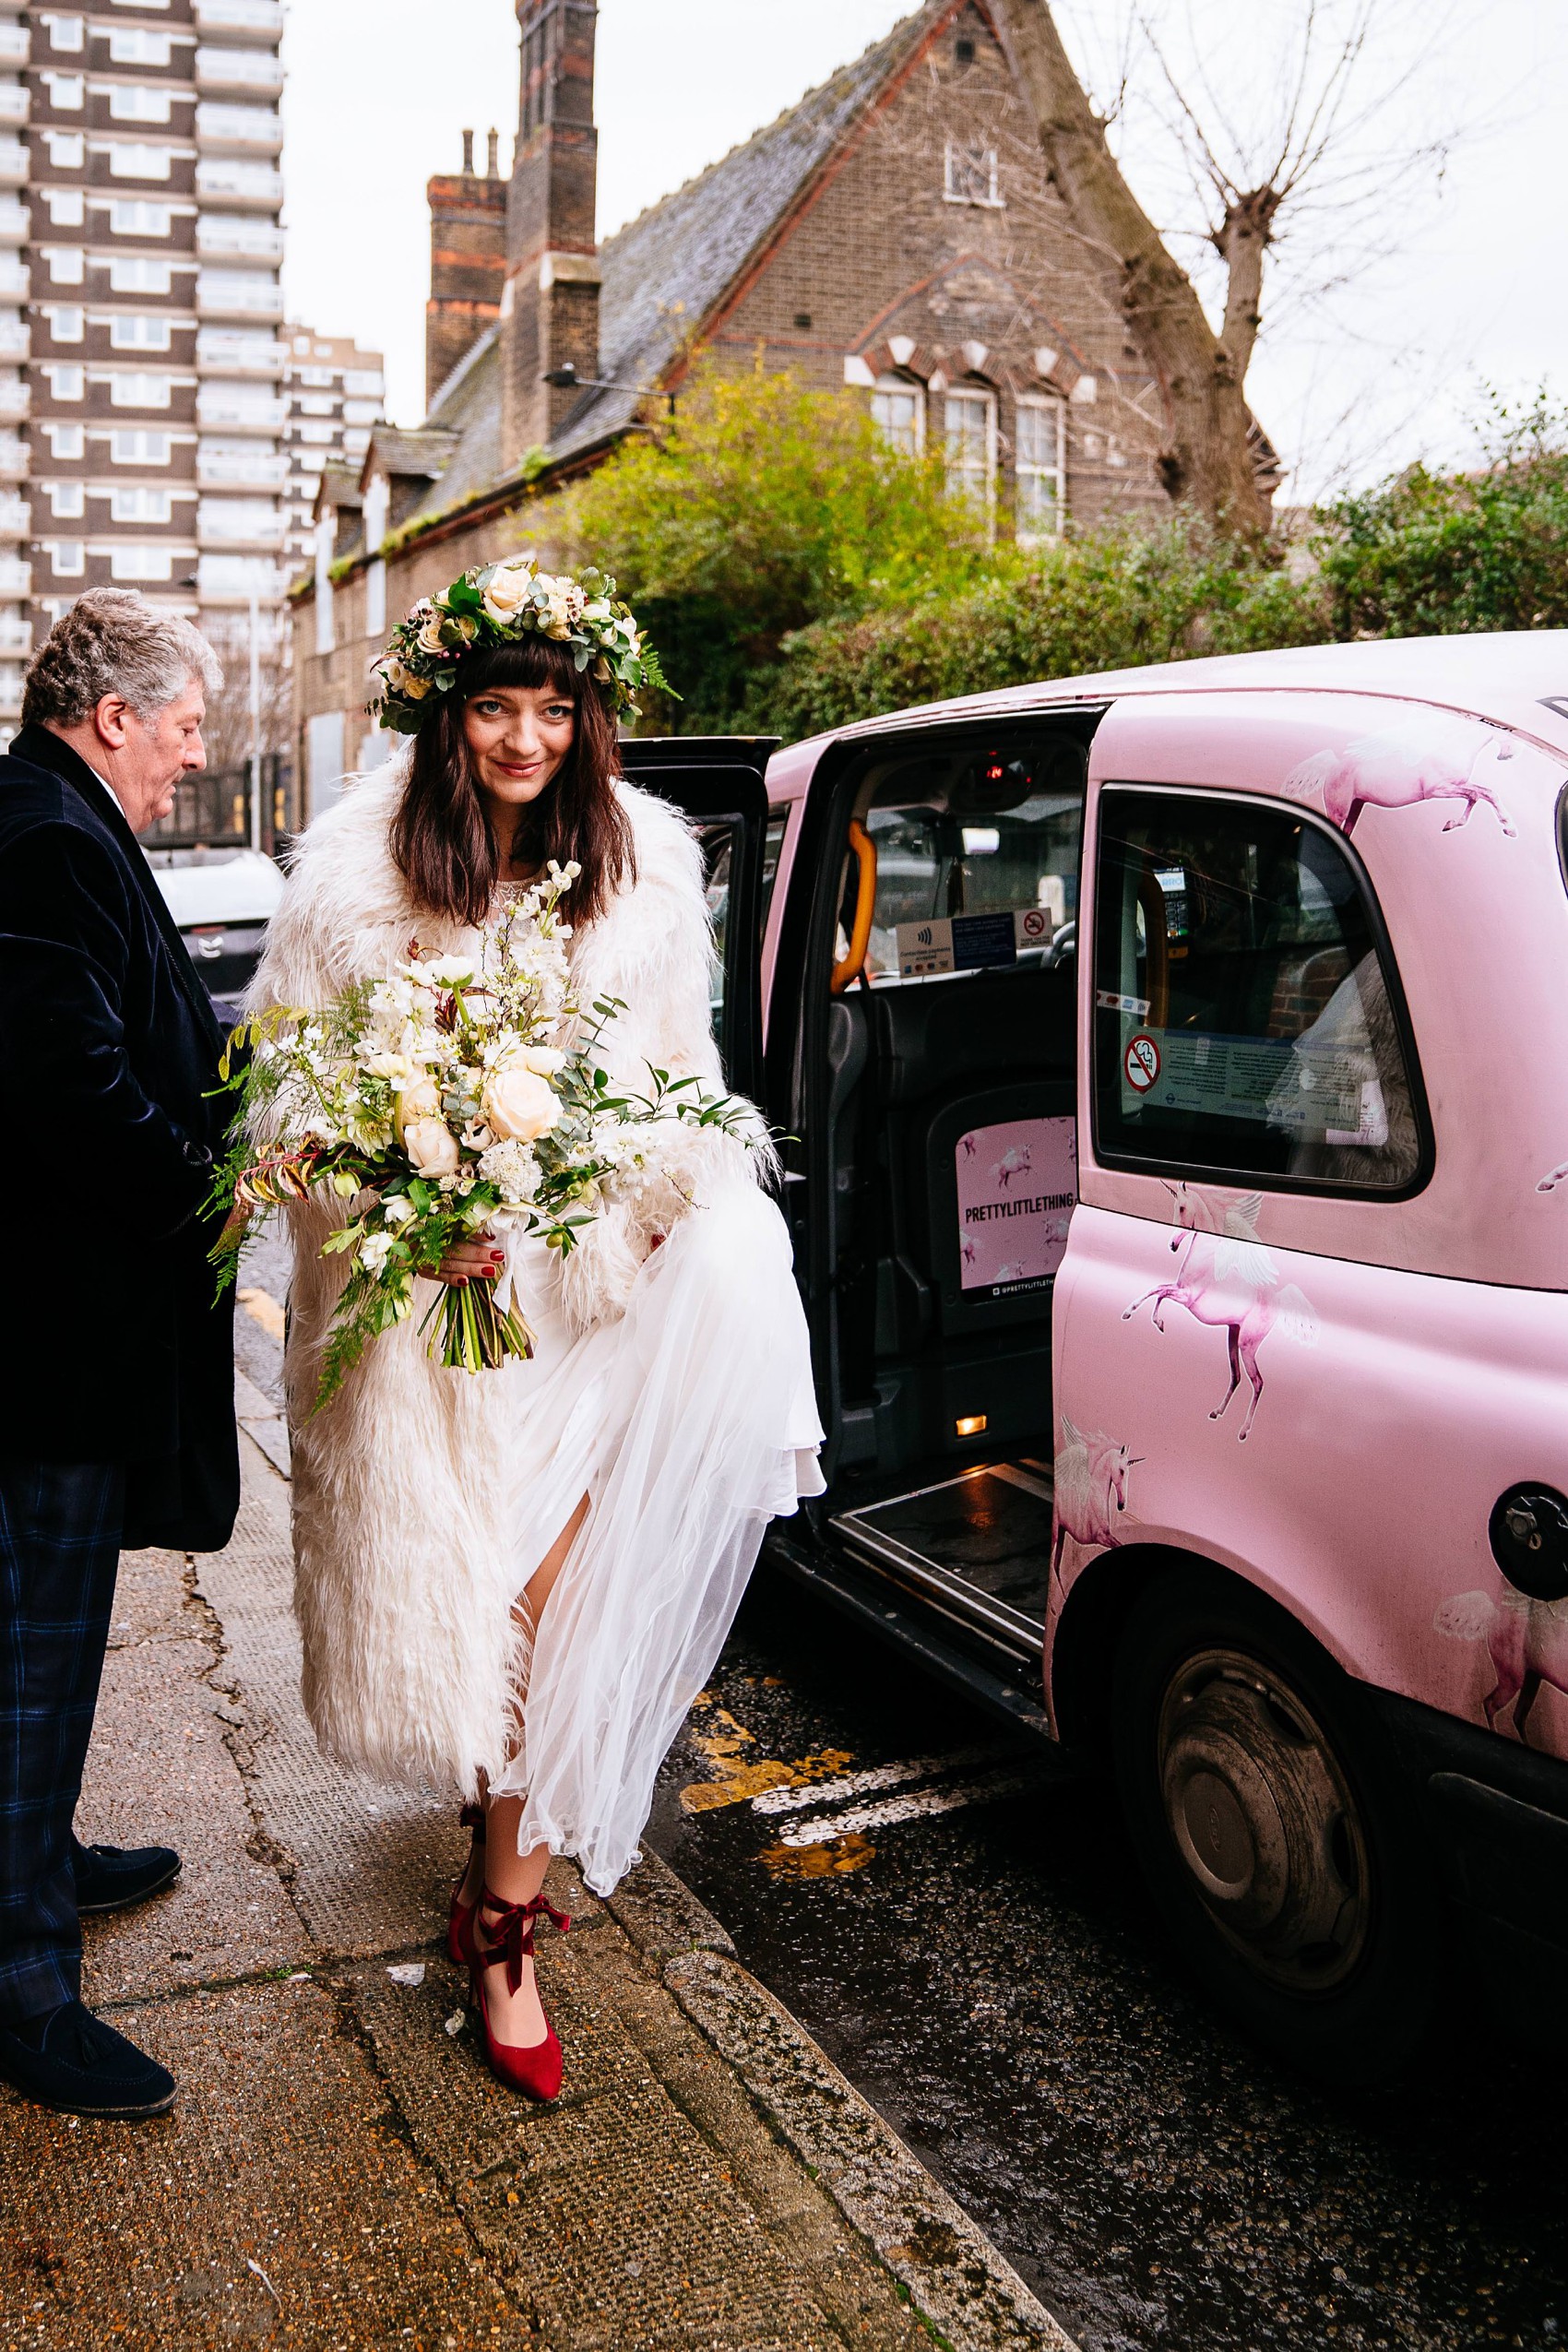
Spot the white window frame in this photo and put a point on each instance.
(140, 274)
(67, 92)
(67, 150)
(131, 446)
(67, 322)
(141, 330)
(133, 46)
(67, 35)
(140, 502)
(964, 161)
(67, 443)
(67, 264)
(982, 395)
(1054, 409)
(67, 381)
(67, 501)
(152, 565)
(68, 558)
(893, 388)
(141, 217)
(67, 208)
(140, 388)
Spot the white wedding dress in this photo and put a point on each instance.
(689, 1423)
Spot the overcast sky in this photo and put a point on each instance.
(1456, 278)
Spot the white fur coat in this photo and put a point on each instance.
(404, 1489)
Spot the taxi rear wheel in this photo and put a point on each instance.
(1272, 1840)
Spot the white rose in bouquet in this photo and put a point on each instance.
(419, 1099)
(431, 1147)
(518, 1107)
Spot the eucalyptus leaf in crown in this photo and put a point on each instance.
(501, 604)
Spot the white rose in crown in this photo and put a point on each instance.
(564, 609)
(419, 1100)
(510, 592)
(403, 682)
(431, 1147)
(517, 1106)
(430, 634)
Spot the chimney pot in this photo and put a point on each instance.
(467, 155)
(494, 171)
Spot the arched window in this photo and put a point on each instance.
(898, 405)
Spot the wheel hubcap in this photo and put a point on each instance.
(1265, 1821)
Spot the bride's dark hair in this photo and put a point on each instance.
(442, 839)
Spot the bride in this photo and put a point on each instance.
(515, 1581)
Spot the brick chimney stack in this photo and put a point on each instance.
(467, 262)
(550, 309)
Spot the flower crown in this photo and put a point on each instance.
(501, 604)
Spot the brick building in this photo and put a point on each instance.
(893, 235)
(335, 393)
(139, 288)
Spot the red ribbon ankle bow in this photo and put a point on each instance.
(515, 1942)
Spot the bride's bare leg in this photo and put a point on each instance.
(517, 2018)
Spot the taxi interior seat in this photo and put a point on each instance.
(939, 1060)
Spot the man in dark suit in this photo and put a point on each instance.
(116, 1374)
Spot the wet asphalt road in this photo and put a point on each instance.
(992, 1979)
(981, 1963)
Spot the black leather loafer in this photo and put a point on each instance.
(110, 1877)
(80, 2066)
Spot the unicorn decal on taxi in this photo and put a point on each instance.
(1401, 765)
(1091, 1492)
(1227, 1278)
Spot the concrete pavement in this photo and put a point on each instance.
(341, 2171)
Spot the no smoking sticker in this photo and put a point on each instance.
(1141, 1062)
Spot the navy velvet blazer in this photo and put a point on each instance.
(113, 1348)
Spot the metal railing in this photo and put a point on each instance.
(213, 810)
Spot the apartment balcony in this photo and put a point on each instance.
(238, 293)
(16, 634)
(16, 221)
(16, 576)
(221, 240)
(230, 350)
(240, 130)
(15, 166)
(16, 338)
(13, 460)
(224, 407)
(234, 470)
(255, 72)
(12, 681)
(16, 399)
(263, 17)
(235, 579)
(14, 105)
(16, 280)
(16, 519)
(231, 180)
(239, 530)
(16, 45)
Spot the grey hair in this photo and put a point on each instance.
(114, 642)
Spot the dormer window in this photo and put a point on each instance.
(971, 173)
(898, 408)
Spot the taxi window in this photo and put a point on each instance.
(980, 873)
(1246, 1020)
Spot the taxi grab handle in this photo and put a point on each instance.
(850, 966)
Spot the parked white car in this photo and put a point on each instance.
(223, 900)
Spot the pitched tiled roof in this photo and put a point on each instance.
(665, 272)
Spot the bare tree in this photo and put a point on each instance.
(1307, 146)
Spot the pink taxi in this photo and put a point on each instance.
(1180, 1065)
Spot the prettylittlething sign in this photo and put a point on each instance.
(1018, 1189)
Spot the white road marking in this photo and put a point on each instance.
(1010, 1782)
(862, 1784)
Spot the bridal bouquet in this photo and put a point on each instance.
(435, 1103)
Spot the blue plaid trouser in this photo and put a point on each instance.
(60, 1525)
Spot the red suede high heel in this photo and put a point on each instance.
(536, 2071)
(460, 1918)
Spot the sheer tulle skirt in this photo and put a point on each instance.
(689, 1424)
